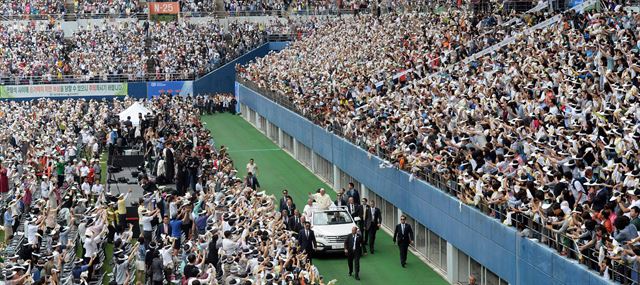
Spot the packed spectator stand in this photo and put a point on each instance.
(541, 134)
(95, 9)
(121, 51)
(41, 9)
(207, 229)
(114, 51)
(370, 60)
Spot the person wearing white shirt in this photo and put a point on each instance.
(68, 173)
(226, 226)
(147, 228)
(308, 210)
(166, 254)
(141, 210)
(90, 244)
(95, 148)
(323, 201)
(173, 208)
(31, 228)
(86, 189)
(252, 265)
(252, 167)
(71, 152)
(228, 245)
(84, 170)
(44, 188)
(97, 189)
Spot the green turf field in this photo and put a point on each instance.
(278, 170)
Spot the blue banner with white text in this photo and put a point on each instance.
(175, 88)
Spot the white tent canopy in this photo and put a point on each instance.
(133, 112)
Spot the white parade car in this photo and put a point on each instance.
(331, 227)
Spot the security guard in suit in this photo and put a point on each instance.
(353, 250)
(403, 235)
(372, 222)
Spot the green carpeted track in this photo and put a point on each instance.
(277, 170)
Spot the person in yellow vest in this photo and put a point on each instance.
(122, 208)
(112, 220)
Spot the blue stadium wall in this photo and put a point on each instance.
(221, 80)
(497, 247)
(218, 81)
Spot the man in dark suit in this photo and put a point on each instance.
(307, 240)
(169, 165)
(403, 235)
(283, 200)
(352, 192)
(251, 181)
(364, 212)
(164, 228)
(353, 250)
(289, 207)
(285, 219)
(295, 222)
(372, 223)
(354, 210)
(600, 198)
(340, 198)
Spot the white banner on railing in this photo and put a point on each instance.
(64, 90)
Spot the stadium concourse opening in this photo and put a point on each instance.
(278, 170)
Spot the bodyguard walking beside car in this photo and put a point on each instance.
(307, 240)
(353, 250)
(372, 223)
(403, 235)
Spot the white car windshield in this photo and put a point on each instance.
(331, 218)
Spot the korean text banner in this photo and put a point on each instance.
(63, 90)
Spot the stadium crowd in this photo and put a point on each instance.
(98, 52)
(366, 52)
(121, 50)
(248, 7)
(209, 229)
(136, 50)
(30, 7)
(189, 49)
(33, 49)
(127, 8)
(542, 134)
(115, 7)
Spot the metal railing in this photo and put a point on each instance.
(109, 78)
(283, 37)
(72, 16)
(447, 182)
